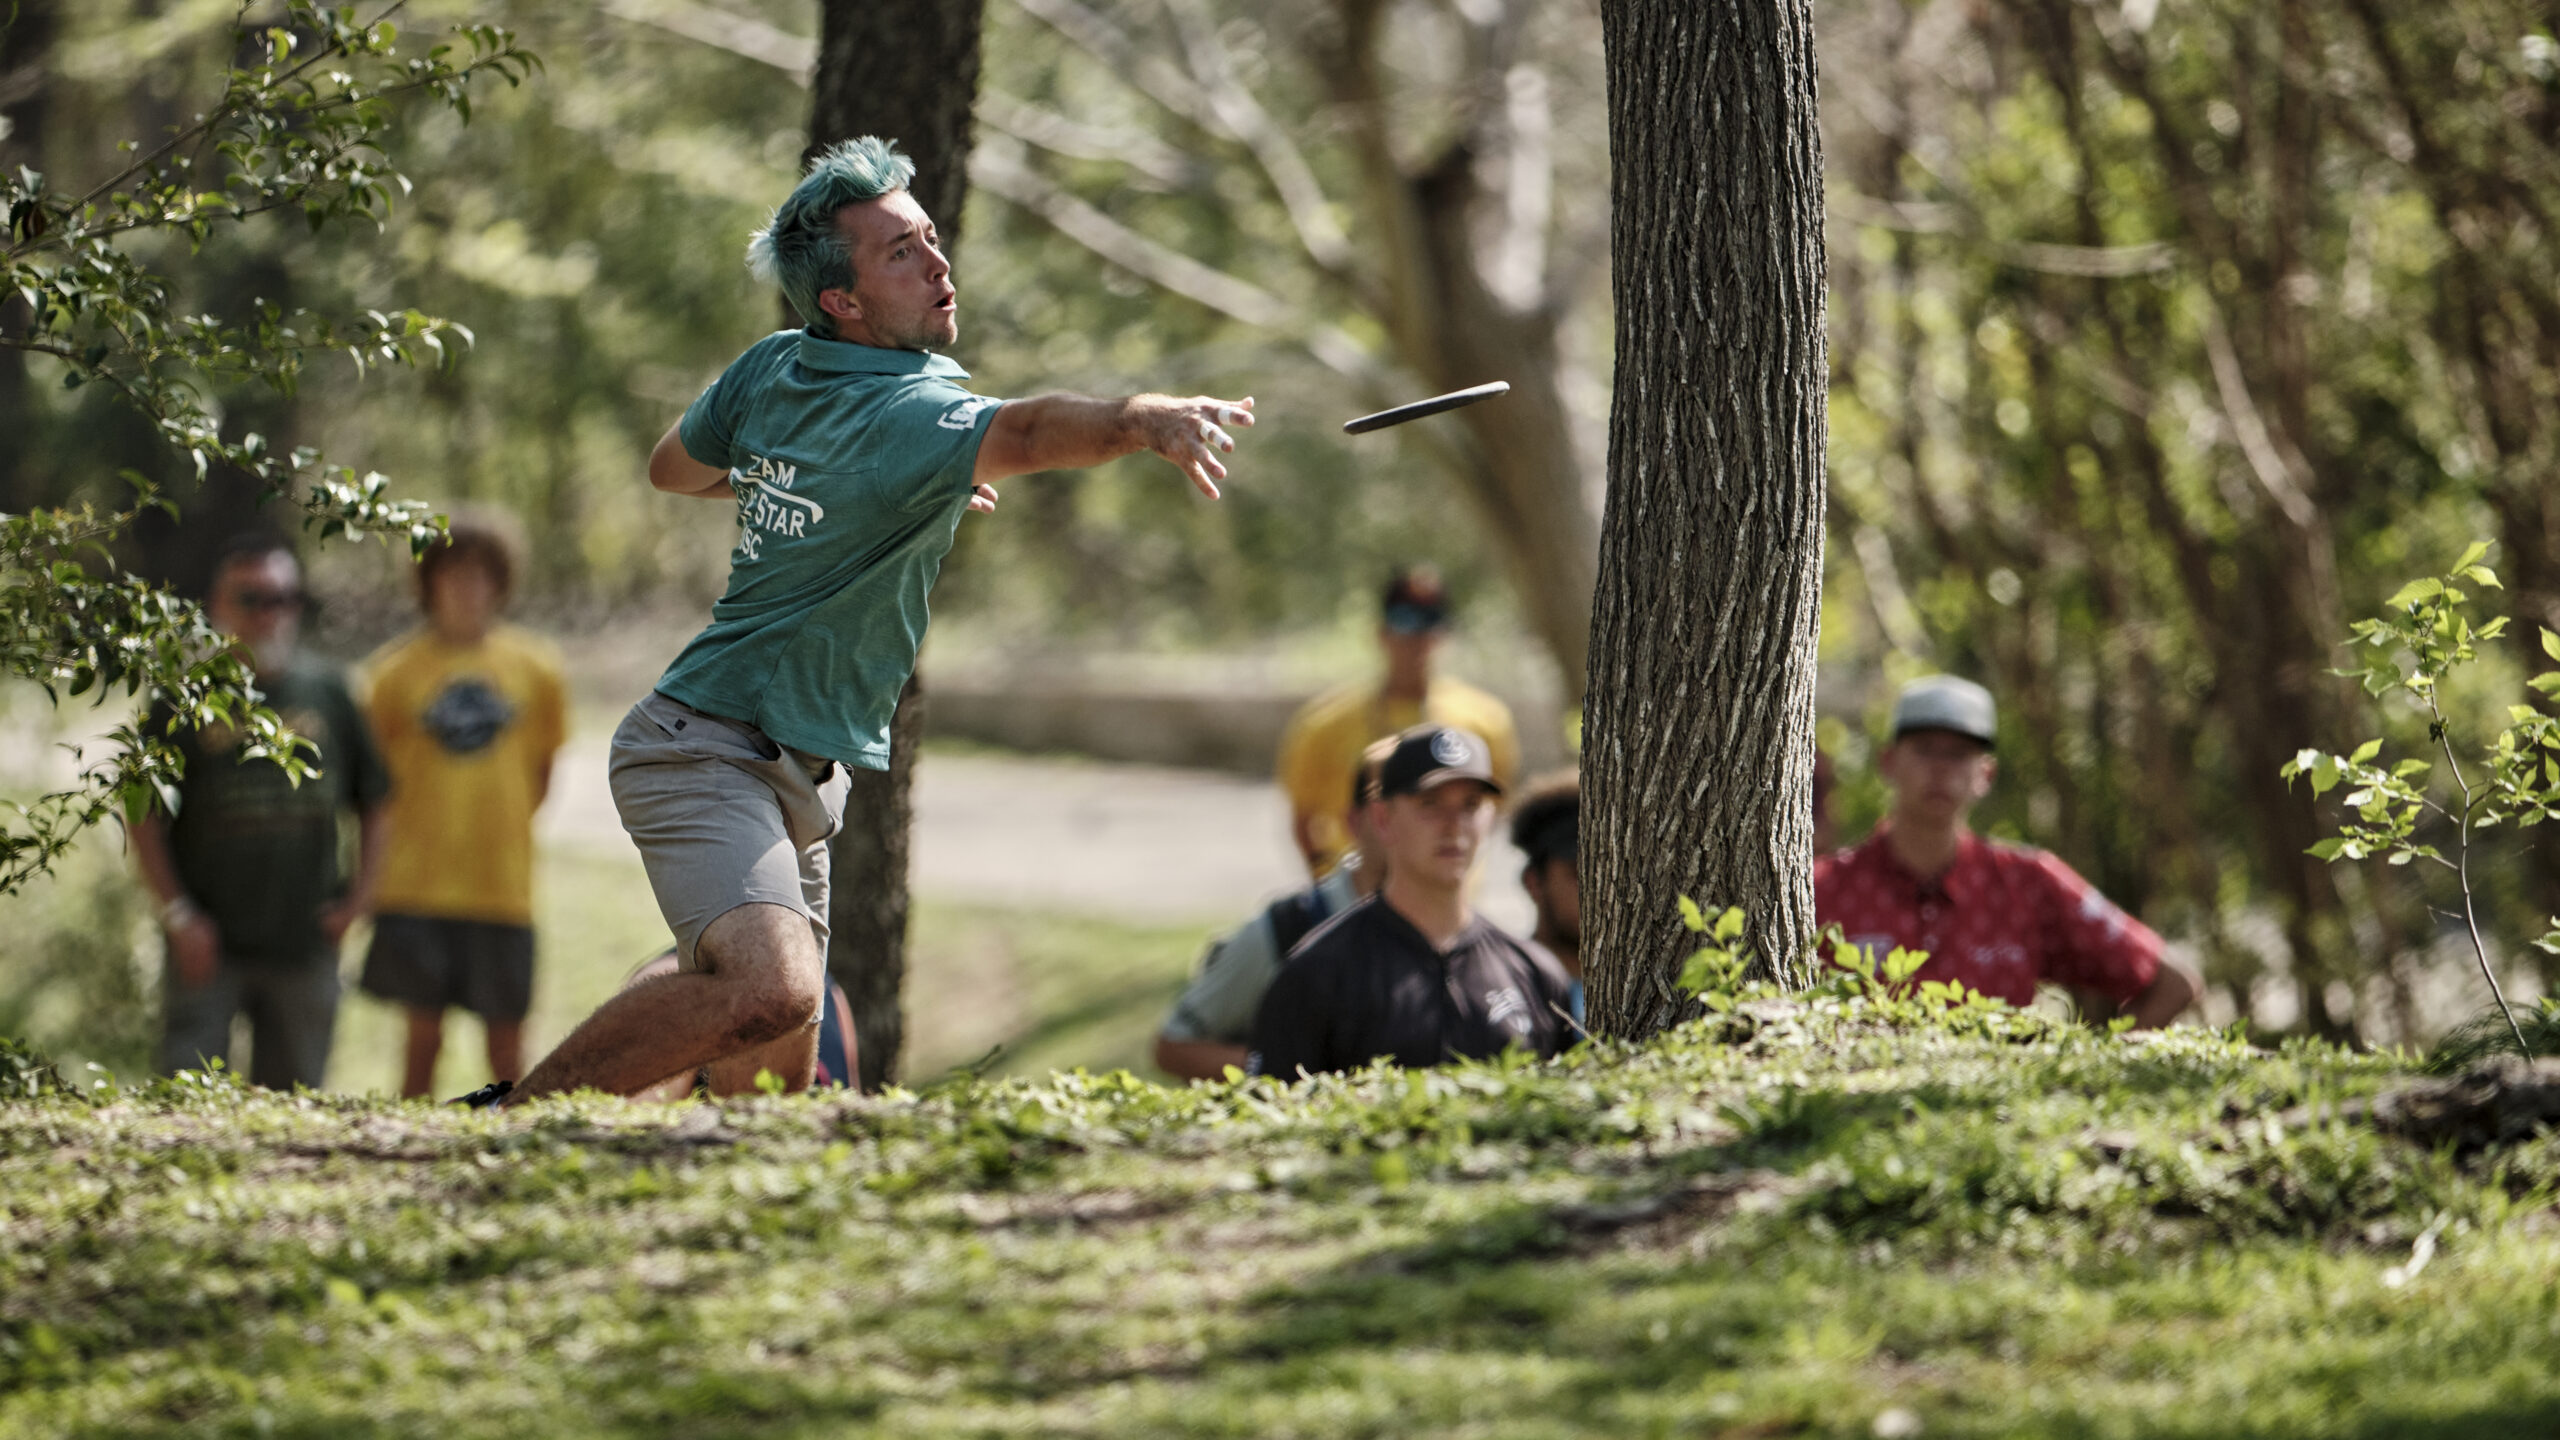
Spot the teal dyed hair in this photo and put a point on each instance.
(799, 249)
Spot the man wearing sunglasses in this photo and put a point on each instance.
(1324, 740)
(252, 893)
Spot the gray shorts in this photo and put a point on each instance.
(724, 816)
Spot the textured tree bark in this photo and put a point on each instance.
(26, 50)
(1698, 762)
(906, 70)
(867, 903)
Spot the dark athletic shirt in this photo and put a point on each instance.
(1368, 984)
(257, 851)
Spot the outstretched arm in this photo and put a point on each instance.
(1071, 432)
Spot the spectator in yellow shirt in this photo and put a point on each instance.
(1321, 748)
(469, 712)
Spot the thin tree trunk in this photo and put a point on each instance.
(867, 903)
(906, 70)
(1448, 325)
(26, 53)
(1698, 770)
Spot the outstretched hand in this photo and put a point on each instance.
(1192, 434)
(982, 499)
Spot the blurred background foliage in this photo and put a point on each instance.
(2167, 337)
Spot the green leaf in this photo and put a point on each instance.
(1692, 916)
(2482, 575)
(2326, 849)
(2550, 643)
(2477, 549)
(1730, 924)
(2365, 752)
(2414, 592)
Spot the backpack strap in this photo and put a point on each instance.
(1292, 916)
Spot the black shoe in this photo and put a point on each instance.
(487, 1097)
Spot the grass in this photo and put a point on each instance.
(1791, 1232)
(1053, 991)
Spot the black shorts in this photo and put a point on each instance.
(427, 962)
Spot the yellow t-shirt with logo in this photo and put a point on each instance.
(468, 733)
(1321, 748)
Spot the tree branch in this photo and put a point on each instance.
(742, 35)
(2280, 473)
(1149, 74)
(1518, 271)
(205, 126)
(1310, 213)
(1061, 135)
(998, 169)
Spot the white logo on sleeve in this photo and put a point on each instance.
(1507, 1008)
(964, 416)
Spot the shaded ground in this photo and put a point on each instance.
(1823, 1229)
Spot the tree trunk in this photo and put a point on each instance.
(26, 54)
(906, 70)
(867, 903)
(1448, 325)
(1698, 768)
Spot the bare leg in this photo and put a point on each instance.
(426, 1041)
(506, 1049)
(794, 1057)
(762, 979)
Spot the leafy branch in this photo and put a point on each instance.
(2517, 777)
(301, 126)
(1722, 976)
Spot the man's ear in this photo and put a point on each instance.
(1990, 772)
(839, 305)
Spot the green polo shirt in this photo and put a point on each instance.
(853, 466)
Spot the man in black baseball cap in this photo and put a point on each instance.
(1211, 1024)
(1322, 746)
(1413, 974)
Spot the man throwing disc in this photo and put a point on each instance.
(851, 453)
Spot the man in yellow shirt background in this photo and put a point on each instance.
(1321, 748)
(468, 712)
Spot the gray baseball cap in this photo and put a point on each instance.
(1945, 702)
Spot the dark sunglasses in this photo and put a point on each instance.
(1415, 619)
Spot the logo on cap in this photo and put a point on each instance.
(1450, 748)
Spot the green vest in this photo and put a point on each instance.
(853, 465)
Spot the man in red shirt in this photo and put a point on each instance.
(1997, 917)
